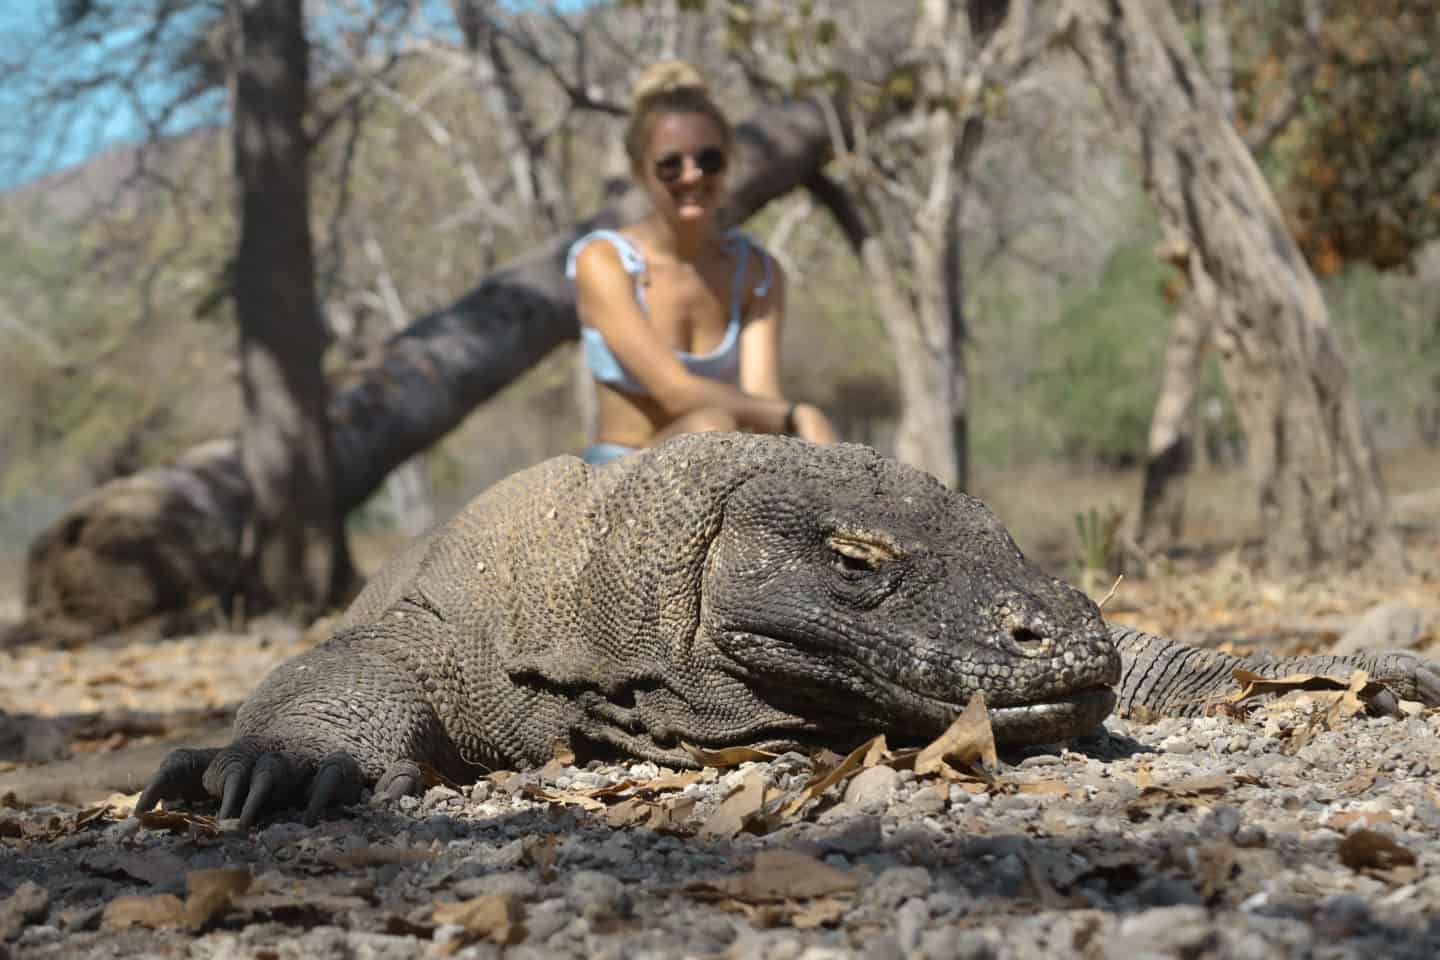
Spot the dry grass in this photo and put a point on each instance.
(1039, 503)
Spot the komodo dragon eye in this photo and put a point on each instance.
(853, 554)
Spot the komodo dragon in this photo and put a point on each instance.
(717, 590)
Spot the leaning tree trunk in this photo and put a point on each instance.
(294, 553)
(153, 545)
(1321, 497)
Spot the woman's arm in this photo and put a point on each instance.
(606, 301)
(760, 357)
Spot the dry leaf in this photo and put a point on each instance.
(1186, 788)
(820, 912)
(865, 755)
(671, 781)
(177, 821)
(431, 777)
(968, 741)
(1144, 779)
(541, 852)
(1346, 697)
(778, 876)
(581, 800)
(728, 757)
(1349, 704)
(1047, 787)
(628, 812)
(1370, 850)
(164, 910)
(497, 917)
(671, 817)
(1359, 783)
(737, 809)
(211, 892)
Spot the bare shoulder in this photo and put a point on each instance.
(598, 261)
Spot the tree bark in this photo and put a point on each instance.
(152, 546)
(294, 552)
(1170, 452)
(1321, 497)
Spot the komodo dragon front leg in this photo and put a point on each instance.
(1169, 678)
(349, 713)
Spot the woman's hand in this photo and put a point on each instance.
(811, 424)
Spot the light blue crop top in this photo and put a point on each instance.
(722, 363)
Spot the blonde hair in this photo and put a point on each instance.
(669, 86)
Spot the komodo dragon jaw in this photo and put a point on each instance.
(885, 602)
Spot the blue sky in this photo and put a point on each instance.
(106, 116)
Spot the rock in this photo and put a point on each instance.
(1166, 931)
(596, 896)
(872, 790)
(28, 904)
(852, 837)
(1388, 626)
(897, 885)
(910, 922)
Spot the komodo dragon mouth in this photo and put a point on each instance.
(890, 702)
(1046, 720)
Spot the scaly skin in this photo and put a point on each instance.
(719, 590)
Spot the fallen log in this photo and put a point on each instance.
(153, 547)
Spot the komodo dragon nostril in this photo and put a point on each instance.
(1025, 637)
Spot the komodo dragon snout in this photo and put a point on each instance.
(880, 602)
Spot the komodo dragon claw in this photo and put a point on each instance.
(250, 780)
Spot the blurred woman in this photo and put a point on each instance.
(680, 319)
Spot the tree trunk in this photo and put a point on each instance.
(295, 554)
(1321, 497)
(149, 546)
(1172, 447)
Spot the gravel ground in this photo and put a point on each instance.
(1267, 836)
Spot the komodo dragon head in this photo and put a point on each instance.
(844, 584)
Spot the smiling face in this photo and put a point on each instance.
(683, 167)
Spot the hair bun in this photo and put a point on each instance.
(667, 76)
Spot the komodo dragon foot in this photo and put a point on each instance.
(316, 732)
(250, 777)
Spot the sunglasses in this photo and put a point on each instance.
(671, 167)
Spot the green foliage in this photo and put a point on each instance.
(1354, 169)
(1099, 535)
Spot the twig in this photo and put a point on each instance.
(1114, 588)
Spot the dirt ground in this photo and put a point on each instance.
(1303, 829)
